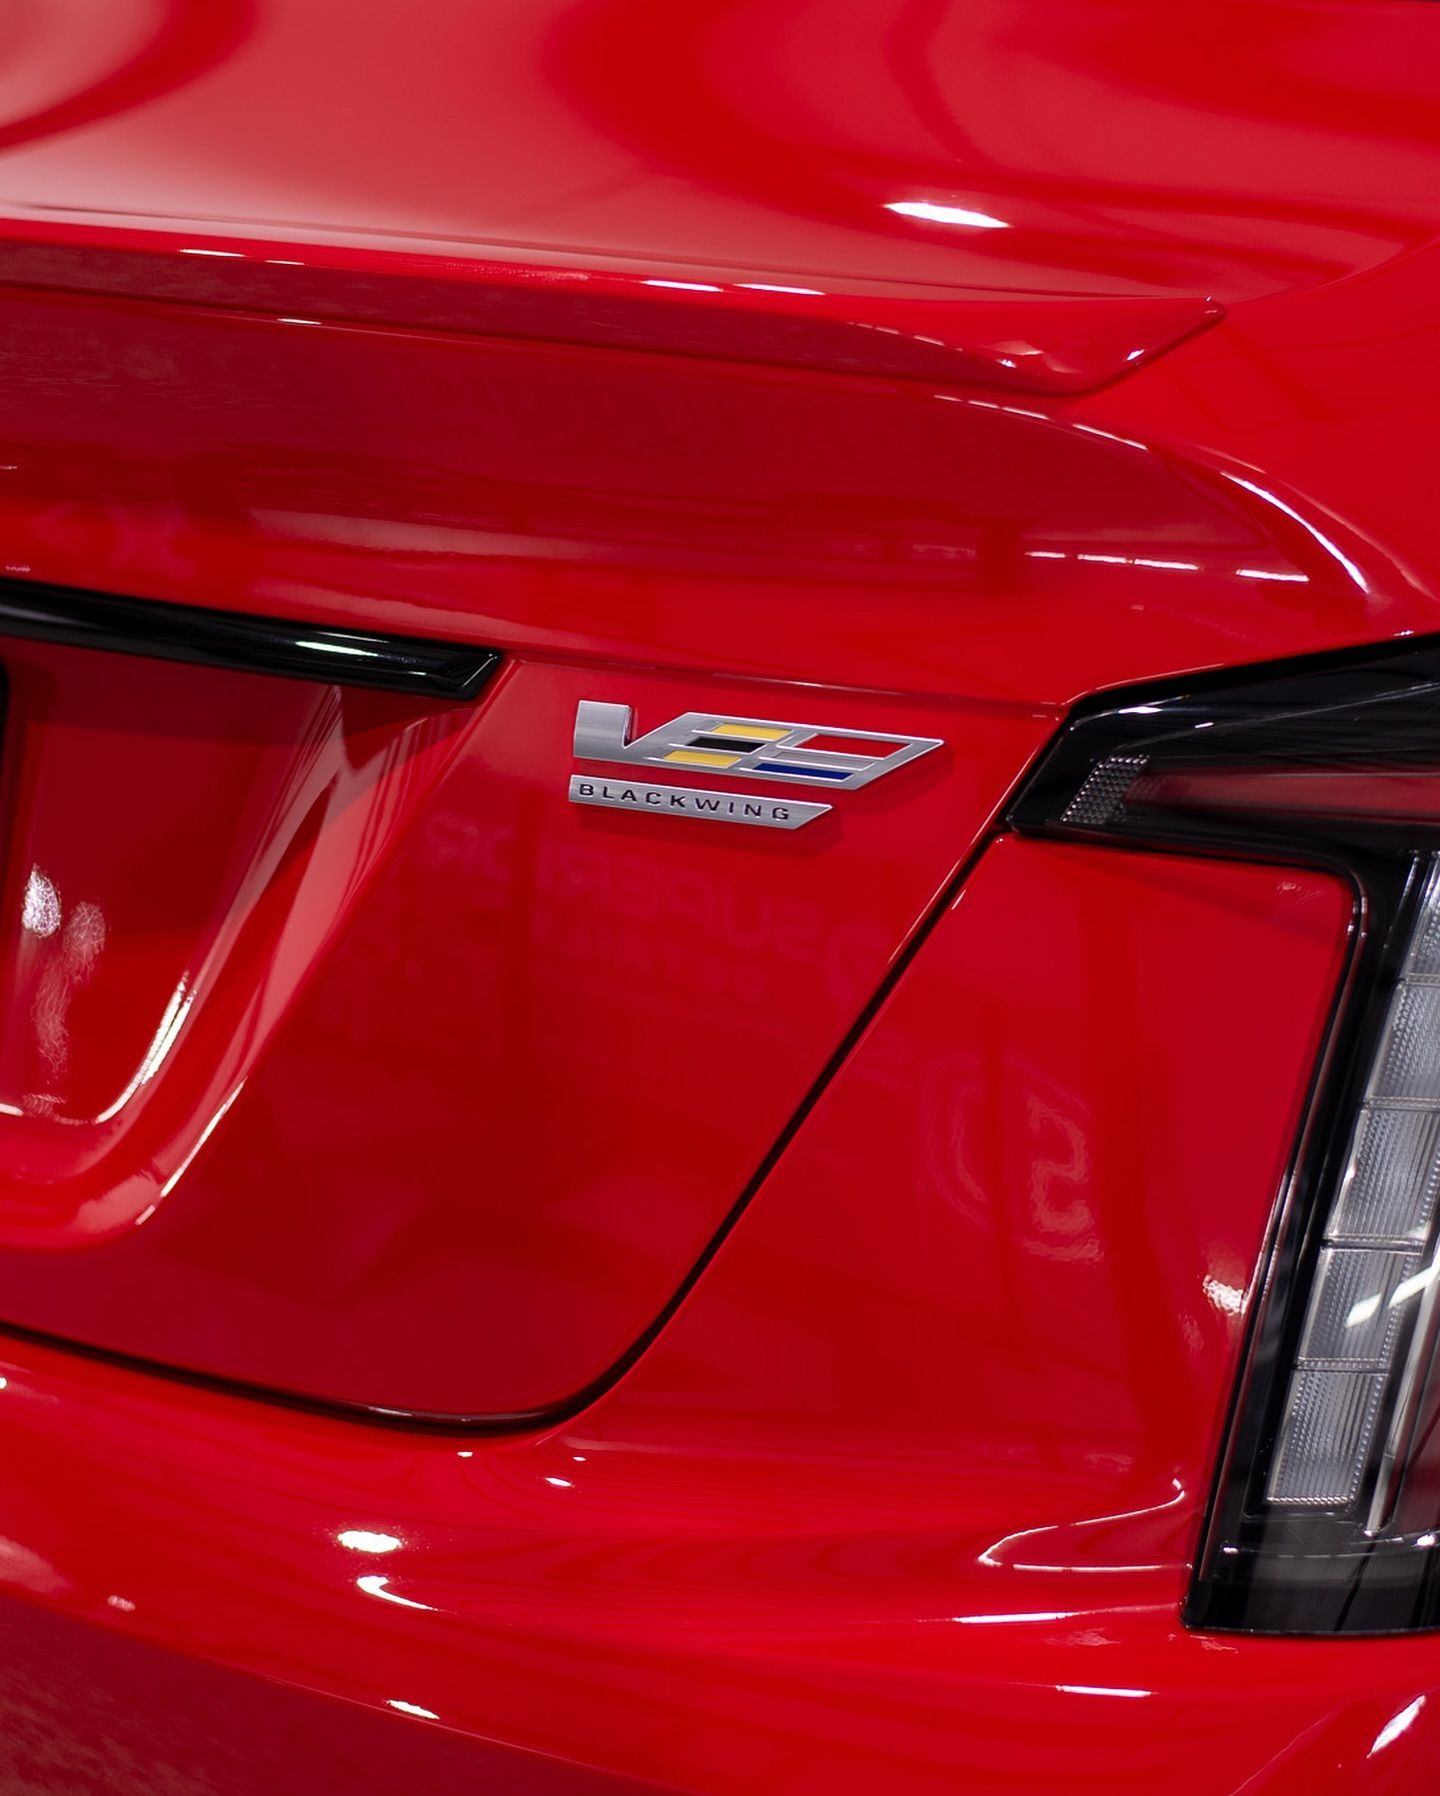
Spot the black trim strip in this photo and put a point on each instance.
(732, 745)
(262, 645)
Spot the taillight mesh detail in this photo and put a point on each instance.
(1366, 1301)
(1392, 1180)
(1330, 1428)
(1103, 791)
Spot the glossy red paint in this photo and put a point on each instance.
(850, 152)
(1323, 413)
(907, 1490)
(309, 316)
(652, 511)
(416, 1086)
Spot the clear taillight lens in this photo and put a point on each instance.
(1326, 1510)
(1367, 1334)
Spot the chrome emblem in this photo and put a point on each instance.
(689, 801)
(750, 748)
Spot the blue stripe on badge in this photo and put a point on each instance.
(798, 771)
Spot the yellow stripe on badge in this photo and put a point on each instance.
(701, 757)
(754, 732)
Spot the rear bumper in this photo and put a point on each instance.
(903, 1498)
(178, 1606)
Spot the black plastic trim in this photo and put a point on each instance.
(263, 645)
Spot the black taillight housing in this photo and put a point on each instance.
(1325, 1516)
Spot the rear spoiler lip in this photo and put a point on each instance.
(1022, 341)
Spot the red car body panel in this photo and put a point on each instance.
(968, 1562)
(448, 1003)
(853, 1256)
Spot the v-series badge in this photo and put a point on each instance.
(750, 748)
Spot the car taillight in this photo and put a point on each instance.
(1326, 1510)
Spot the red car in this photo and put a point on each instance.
(720, 900)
